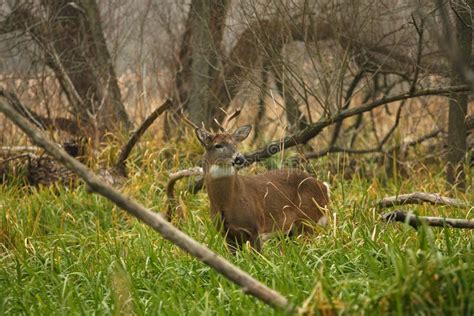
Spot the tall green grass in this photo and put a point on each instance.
(64, 251)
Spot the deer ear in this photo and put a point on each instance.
(204, 136)
(242, 133)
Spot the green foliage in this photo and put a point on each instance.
(64, 251)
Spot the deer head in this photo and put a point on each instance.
(221, 148)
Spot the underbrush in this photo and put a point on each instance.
(65, 251)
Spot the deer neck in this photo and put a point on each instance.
(222, 182)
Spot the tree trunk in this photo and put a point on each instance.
(208, 19)
(198, 105)
(70, 35)
(80, 43)
(458, 101)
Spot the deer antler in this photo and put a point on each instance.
(224, 126)
(187, 120)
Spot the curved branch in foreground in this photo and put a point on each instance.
(416, 221)
(195, 171)
(421, 197)
(152, 219)
(125, 152)
(314, 129)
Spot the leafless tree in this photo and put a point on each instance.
(70, 37)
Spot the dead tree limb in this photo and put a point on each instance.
(347, 102)
(29, 156)
(416, 221)
(152, 219)
(44, 123)
(336, 149)
(120, 166)
(421, 197)
(416, 141)
(196, 171)
(21, 149)
(314, 129)
(351, 151)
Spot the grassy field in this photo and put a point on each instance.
(64, 251)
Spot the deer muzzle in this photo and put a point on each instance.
(238, 160)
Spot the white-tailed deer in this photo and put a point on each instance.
(247, 207)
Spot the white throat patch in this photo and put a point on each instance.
(221, 171)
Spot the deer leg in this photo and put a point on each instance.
(301, 228)
(256, 243)
(236, 238)
(232, 245)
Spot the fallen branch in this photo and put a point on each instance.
(29, 156)
(416, 221)
(195, 171)
(314, 129)
(125, 152)
(421, 197)
(14, 149)
(152, 219)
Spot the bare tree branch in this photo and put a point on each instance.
(314, 129)
(29, 156)
(416, 141)
(196, 171)
(120, 165)
(416, 221)
(347, 102)
(335, 149)
(44, 123)
(421, 197)
(420, 31)
(152, 219)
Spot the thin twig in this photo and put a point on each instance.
(416, 141)
(347, 101)
(420, 31)
(152, 219)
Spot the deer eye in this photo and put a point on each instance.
(218, 146)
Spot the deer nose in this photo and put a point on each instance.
(239, 160)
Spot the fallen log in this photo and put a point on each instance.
(421, 197)
(416, 221)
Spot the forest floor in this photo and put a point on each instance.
(64, 251)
